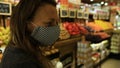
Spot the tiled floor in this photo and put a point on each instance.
(111, 63)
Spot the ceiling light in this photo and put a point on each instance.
(106, 4)
(102, 2)
(91, 0)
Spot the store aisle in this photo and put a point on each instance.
(111, 63)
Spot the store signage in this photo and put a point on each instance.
(79, 14)
(5, 8)
(86, 15)
(63, 12)
(95, 16)
(77, 2)
(107, 16)
(99, 16)
(72, 13)
(64, 2)
(103, 14)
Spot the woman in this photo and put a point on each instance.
(33, 26)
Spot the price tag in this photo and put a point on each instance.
(79, 14)
(86, 15)
(95, 16)
(5, 8)
(63, 12)
(107, 16)
(103, 16)
(100, 16)
(72, 13)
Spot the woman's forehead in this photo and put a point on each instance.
(47, 11)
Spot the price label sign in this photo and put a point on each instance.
(72, 13)
(86, 15)
(79, 14)
(63, 12)
(100, 16)
(107, 16)
(95, 16)
(104, 17)
(5, 8)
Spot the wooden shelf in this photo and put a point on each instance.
(109, 31)
(66, 42)
(68, 47)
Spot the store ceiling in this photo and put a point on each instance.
(99, 1)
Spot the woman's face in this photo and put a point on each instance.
(45, 16)
(44, 25)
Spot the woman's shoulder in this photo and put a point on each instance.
(14, 54)
(15, 58)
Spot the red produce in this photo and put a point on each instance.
(82, 29)
(72, 28)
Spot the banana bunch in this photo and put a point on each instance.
(4, 35)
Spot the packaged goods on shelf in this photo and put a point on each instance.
(84, 54)
(101, 45)
(103, 55)
(115, 51)
(115, 47)
(100, 51)
(56, 62)
(115, 42)
(88, 65)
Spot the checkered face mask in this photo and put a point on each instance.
(46, 35)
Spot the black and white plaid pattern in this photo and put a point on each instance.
(46, 35)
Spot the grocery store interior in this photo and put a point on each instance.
(89, 33)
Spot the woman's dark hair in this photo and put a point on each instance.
(22, 14)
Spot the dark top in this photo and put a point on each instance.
(17, 58)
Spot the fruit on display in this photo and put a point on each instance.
(72, 28)
(64, 34)
(96, 57)
(4, 35)
(94, 26)
(100, 25)
(84, 53)
(82, 29)
(115, 42)
(103, 35)
(49, 50)
(105, 25)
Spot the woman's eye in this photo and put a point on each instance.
(48, 24)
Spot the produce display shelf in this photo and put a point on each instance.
(67, 41)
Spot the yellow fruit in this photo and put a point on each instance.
(1, 33)
(2, 28)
